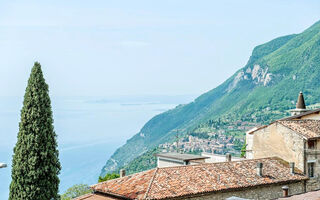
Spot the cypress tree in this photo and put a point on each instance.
(35, 164)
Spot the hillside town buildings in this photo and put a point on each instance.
(221, 144)
(282, 160)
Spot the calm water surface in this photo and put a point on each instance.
(89, 130)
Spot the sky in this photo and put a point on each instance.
(141, 47)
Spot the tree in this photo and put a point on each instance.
(243, 150)
(35, 164)
(76, 191)
(108, 177)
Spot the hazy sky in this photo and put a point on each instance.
(101, 48)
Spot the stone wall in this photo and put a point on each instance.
(312, 155)
(277, 140)
(262, 192)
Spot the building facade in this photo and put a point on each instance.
(294, 139)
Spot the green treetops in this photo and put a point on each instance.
(35, 164)
(76, 191)
(108, 177)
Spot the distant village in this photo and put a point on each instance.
(221, 144)
(215, 141)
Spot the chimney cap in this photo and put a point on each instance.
(300, 102)
(285, 187)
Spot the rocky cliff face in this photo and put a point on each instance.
(256, 74)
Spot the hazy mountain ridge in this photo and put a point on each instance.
(272, 78)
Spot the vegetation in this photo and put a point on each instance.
(108, 176)
(35, 164)
(293, 65)
(76, 191)
(143, 162)
(243, 150)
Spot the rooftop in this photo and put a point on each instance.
(94, 197)
(181, 156)
(183, 181)
(301, 115)
(309, 129)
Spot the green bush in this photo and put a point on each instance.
(76, 191)
(108, 177)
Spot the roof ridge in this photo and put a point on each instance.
(300, 115)
(128, 176)
(217, 163)
(298, 120)
(151, 181)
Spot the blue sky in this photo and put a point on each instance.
(102, 48)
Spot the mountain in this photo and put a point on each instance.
(260, 92)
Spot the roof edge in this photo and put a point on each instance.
(229, 189)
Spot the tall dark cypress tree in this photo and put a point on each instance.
(35, 164)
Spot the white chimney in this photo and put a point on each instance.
(122, 173)
(228, 157)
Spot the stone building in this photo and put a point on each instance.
(294, 139)
(266, 178)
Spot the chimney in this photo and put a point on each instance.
(228, 157)
(300, 102)
(291, 164)
(122, 173)
(300, 106)
(285, 191)
(259, 168)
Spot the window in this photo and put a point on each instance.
(311, 169)
(311, 144)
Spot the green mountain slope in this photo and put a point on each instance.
(261, 91)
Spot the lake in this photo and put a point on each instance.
(89, 130)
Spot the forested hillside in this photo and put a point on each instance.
(261, 91)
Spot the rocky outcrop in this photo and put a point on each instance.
(256, 74)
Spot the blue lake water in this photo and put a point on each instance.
(89, 130)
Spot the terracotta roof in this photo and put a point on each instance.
(180, 156)
(94, 197)
(189, 180)
(309, 129)
(133, 186)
